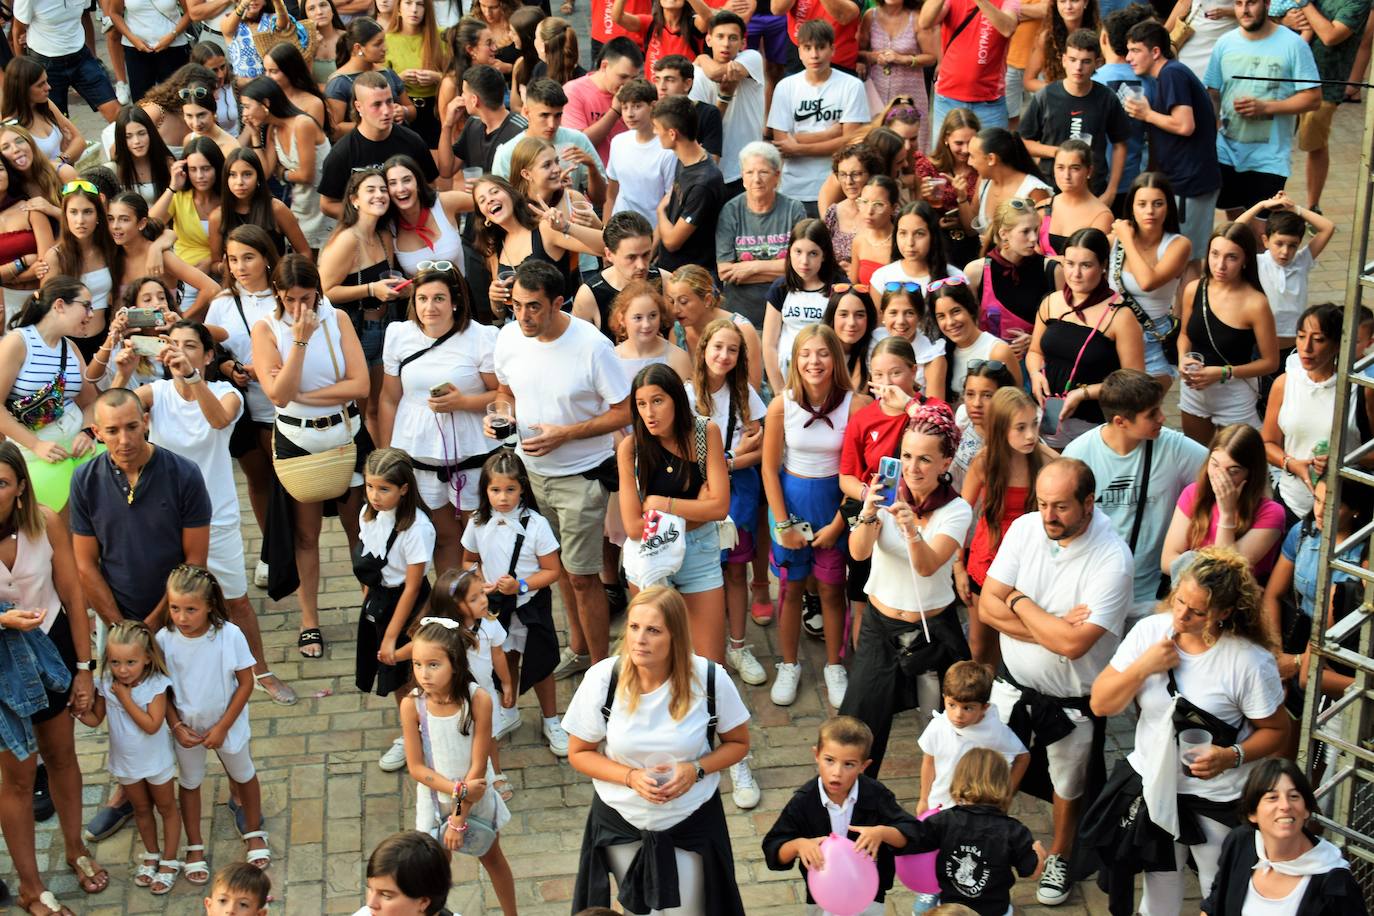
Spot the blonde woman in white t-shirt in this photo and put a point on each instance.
(1208, 647)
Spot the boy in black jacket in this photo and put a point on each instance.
(842, 801)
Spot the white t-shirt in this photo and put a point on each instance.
(222, 313)
(798, 309)
(645, 172)
(980, 349)
(205, 675)
(630, 737)
(180, 426)
(431, 437)
(1236, 680)
(720, 411)
(414, 545)
(742, 122)
(1095, 569)
(490, 636)
(1286, 288)
(948, 745)
(572, 379)
(802, 107)
(135, 754)
(494, 541)
(892, 581)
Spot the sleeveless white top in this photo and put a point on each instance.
(813, 451)
(1157, 302)
(1304, 419)
(318, 370)
(448, 246)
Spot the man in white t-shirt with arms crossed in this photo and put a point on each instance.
(570, 394)
(1058, 592)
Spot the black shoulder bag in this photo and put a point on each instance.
(1187, 715)
(711, 718)
(503, 605)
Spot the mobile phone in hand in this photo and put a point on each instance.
(889, 472)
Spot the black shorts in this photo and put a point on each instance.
(1242, 190)
(61, 636)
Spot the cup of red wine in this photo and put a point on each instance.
(500, 420)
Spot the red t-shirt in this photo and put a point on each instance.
(603, 29)
(665, 43)
(846, 34)
(871, 435)
(974, 65)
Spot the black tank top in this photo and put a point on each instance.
(1021, 294)
(572, 277)
(1060, 344)
(675, 484)
(1218, 342)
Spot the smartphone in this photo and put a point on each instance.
(401, 286)
(143, 318)
(804, 529)
(146, 346)
(1049, 419)
(440, 389)
(889, 471)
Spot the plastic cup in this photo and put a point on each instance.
(500, 420)
(471, 174)
(1191, 743)
(660, 767)
(1193, 362)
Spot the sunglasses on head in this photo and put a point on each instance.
(839, 289)
(80, 184)
(946, 281)
(434, 265)
(186, 93)
(910, 286)
(992, 365)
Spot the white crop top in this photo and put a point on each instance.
(813, 450)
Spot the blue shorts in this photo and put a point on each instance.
(770, 33)
(79, 70)
(1156, 363)
(372, 335)
(700, 570)
(816, 500)
(746, 489)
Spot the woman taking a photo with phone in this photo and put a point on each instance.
(438, 379)
(311, 366)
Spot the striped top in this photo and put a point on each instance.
(41, 364)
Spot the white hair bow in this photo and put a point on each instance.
(444, 622)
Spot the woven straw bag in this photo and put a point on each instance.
(327, 474)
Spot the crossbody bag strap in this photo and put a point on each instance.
(426, 747)
(1206, 320)
(1068, 386)
(1144, 493)
(730, 423)
(699, 440)
(711, 718)
(519, 543)
(435, 344)
(610, 692)
(959, 29)
(334, 360)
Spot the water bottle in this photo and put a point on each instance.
(924, 903)
(1321, 450)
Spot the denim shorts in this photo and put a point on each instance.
(1156, 363)
(700, 570)
(80, 70)
(372, 335)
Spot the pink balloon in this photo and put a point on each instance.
(917, 871)
(849, 881)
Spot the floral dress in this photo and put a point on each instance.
(886, 83)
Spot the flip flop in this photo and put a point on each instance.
(311, 636)
(51, 904)
(92, 877)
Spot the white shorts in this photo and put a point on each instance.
(315, 440)
(191, 762)
(161, 779)
(459, 491)
(1068, 757)
(516, 636)
(1222, 404)
(225, 560)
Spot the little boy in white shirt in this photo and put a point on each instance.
(964, 725)
(1285, 263)
(640, 170)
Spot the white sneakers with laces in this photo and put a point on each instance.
(745, 793)
(395, 757)
(742, 659)
(785, 681)
(836, 683)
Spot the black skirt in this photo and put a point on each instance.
(373, 619)
(540, 656)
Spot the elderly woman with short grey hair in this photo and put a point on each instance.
(752, 232)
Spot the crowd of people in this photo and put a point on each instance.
(880, 302)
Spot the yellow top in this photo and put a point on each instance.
(406, 52)
(193, 241)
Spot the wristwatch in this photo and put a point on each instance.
(85, 666)
(524, 586)
(701, 773)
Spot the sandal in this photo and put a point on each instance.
(282, 695)
(197, 873)
(259, 858)
(51, 905)
(163, 880)
(148, 870)
(310, 637)
(92, 877)
(502, 787)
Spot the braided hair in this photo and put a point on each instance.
(933, 418)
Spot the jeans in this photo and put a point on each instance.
(990, 114)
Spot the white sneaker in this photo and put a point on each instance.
(557, 738)
(836, 682)
(744, 663)
(395, 757)
(260, 575)
(746, 791)
(122, 92)
(785, 681)
(505, 722)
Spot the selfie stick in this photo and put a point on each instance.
(916, 590)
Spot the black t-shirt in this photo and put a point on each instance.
(1054, 116)
(355, 151)
(475, 146)
(697, 196)
(710, 129)
(1190, 162)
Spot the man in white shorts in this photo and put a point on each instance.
(1058, 592)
